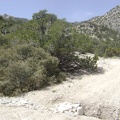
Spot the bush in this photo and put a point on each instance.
(72, 63)
(4, 41)
(28, 68)
(88, 63)
(110, 52)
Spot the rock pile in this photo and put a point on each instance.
(69, 108)
(65, 107)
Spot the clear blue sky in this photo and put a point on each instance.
(72, 10)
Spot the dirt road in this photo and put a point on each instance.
(98, 94)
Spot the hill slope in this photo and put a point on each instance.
(99, 32)
(111, 19)
(102, 27)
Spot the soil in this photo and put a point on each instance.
(98, 93)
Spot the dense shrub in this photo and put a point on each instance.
(4, 41)
(73, 62)
(24, 68)
(89, 62)
(110, 52)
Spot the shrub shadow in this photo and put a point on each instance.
(82, 72)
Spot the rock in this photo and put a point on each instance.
(80, 111)
(18, 102)
(75, 105)
(69, 108)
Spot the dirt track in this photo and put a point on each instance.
(99, 94)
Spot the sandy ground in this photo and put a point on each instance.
(98, 93)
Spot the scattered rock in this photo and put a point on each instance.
(69, 108)
(17, 102)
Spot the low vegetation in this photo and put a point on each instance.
(38, 52)
(24, 68)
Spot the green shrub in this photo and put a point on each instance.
(72, 63)
(7, 88)
(88, 62)
(4, 41)
(110, 52)
(28, 68)
(24, 51)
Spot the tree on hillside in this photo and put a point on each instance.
(44, 21)
(41, 14)
(61, 42)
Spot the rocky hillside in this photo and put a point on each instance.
(111, 19)
(99, 32)
(102, 27)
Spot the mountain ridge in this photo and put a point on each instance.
(102, 27)
(111, 19)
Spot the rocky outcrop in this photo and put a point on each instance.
(111, 19)
(106, 27)
(68, 108)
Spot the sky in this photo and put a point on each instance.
(72, 10)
